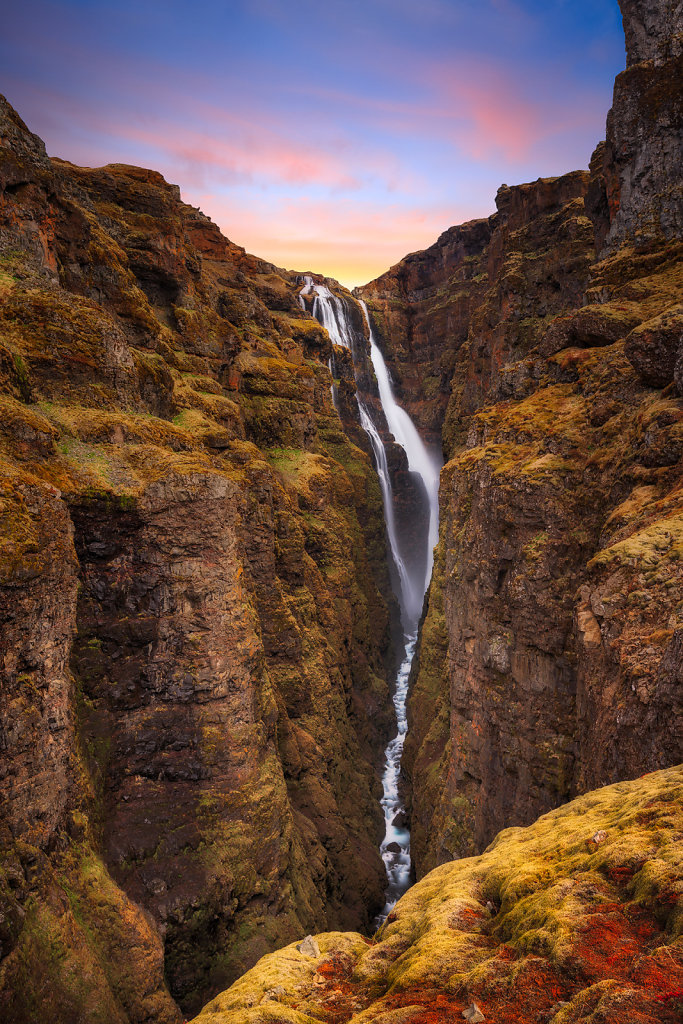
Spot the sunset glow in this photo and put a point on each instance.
(331, 137)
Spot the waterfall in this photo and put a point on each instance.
(308, 284)
(395, 847)
(333, 314)
(333, 386)
(387, 495)
(405, 433)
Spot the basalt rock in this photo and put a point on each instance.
(547, 653)
(423, 299)
(194, 601)
(641, 159)
(195, 611)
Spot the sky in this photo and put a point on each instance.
(326, 135)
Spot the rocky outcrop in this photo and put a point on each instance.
(549, 656)
(195, 611)
(194, 598)
(571, 920)
(641, 159)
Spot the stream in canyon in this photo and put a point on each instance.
(412, 574)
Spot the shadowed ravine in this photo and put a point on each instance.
(412, 575)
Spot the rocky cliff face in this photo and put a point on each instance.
(422, 300)
(642, 156)
(550, 659)
(196, 615)
(570, 921)
(194, 599)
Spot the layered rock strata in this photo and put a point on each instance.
(194, 600)
(550, 659)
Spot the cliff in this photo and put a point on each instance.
(551, 654)
(196, 617)
(574, 919)
(194, 605)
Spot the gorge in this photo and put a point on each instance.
(241, 704)
(412, 562)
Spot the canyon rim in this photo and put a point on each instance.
(238, 704)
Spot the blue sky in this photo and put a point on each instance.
(332, 136)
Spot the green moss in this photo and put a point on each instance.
(657, 543)
(22, 377)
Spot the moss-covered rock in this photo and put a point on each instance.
(194, 602)
(576, 918)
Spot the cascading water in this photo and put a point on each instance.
(419, 459)
(332, 313)
(306, 290)
(395, 847)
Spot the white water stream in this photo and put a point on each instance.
(332, 313)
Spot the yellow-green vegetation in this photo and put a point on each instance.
(644, 549)
(196, 597)
(99, 956)
(587, 900)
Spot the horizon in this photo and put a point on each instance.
(321, 142)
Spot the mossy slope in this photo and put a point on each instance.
(576, 918)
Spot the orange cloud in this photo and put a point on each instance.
(352, 242)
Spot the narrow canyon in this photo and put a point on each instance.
(341, 633)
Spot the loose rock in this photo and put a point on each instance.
(275, 994)
(309, 947)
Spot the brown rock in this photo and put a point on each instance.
(230, 641)
(654, 347)
(551, 606)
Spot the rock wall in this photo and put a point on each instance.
(194, 599)
(425, 298)
(195, 606)
(642, 157)
(550, 659)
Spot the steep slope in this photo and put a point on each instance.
(194, 605)
(574, 919)
(551, 656)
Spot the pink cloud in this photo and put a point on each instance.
(246, 156)
(495, 115)
(216, 146)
